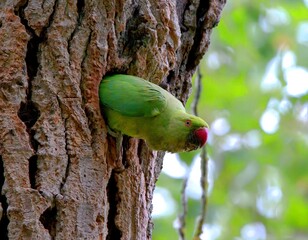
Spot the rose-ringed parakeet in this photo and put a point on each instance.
(141, 109)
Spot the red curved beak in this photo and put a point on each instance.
(202, 134)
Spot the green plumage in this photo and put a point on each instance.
(141, 109)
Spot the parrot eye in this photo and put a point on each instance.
(188, 123)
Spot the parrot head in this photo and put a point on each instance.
(196, 139)
(194, 131)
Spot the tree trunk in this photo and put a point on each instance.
(59, 175)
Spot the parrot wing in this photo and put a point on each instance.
(132, 96)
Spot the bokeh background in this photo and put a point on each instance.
(255, 98)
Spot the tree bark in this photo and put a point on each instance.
(59, 176)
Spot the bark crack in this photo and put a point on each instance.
(84, 57)
(32, 170)
(112, 189)
(80, 10)
(135, 33)
(83, 88)
(49, 220)
(67, 149)
(195, 55)
(4, 220)
(50, 21)
(28, 111)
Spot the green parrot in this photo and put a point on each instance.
(141, 109)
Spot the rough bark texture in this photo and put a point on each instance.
(59, 176)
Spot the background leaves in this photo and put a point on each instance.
(255, 97)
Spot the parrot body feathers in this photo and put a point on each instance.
(138, 108)
(135, 98)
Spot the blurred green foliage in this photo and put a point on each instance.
(255, 85)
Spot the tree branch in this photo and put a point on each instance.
(182, 217)
(204, 164)
(203, 180)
